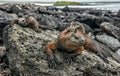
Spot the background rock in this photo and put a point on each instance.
(118, 52)
(4, 20)
(118, 14)
(50, 21)
(15, 9)
(109, 41)
(116, 21)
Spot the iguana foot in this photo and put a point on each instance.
(70, 58)
(53, 63)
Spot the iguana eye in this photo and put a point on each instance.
(76, 37)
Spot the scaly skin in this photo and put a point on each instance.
(32, 23)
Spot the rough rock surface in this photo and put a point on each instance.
(4, 64)
(116, 21)
(49, 21)
(118, 14)
(6, 18)
(107, 52)
(109, 41)
(92, 20)
(27, 58)
(118, 51)
(15, 9)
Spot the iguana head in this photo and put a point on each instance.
(105, 26)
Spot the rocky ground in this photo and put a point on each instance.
(22, 49)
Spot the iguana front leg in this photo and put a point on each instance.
(50, 48)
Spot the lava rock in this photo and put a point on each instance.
(116, 21)
(49, 21)
(66, 9)
(26, 56)
(15, 9)
(118, 14)
(109, 41)
(6, 18)
(118, 52)
(95, 12)
(98, 20)
(87, 19)
(91, 20)
(87, 28)
(42, 10)
(107, 52)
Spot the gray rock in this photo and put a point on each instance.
(108, 13)
(5, 8)
(87, 28)
(95, 12)
(118, 52)
(118, 14)
(99, 20)
(49, 21)
(4, 67)
(107, 52)
(116, 21)
(66, 9)
(42, 10)
(27, 58)
(6, 18)
(91, 20)
(109, 41)
(15, 9)
(87, 19)
(110, 29)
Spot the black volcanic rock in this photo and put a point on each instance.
(42, 10)
(66, 9)
(118, 14)
(95, 12)
(109, 41)
(87, 19)
(49, 21)
(91, 20)
(116, 21)
(87, 28)
(15, 9)
(5, 19)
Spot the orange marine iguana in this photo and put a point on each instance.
(72, 39)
